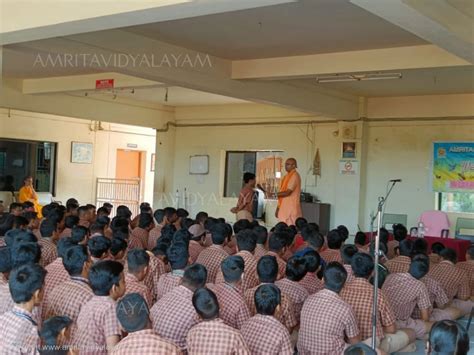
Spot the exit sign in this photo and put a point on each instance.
(104, 84)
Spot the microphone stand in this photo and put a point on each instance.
(378, 216)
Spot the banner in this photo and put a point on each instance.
(453, 167)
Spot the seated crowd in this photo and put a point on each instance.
(77, 281)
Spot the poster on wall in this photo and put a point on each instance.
(453, 167)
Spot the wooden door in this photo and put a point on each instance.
(128, 164)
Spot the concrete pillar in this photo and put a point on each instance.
(164, 169)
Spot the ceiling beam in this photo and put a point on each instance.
(435, 21)
(82, 82)
(162, 62)
(22, 21)
(399, 58)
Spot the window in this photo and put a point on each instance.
(266, 165)
(456, 202)
(19, 158)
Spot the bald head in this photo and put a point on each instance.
(290, 164)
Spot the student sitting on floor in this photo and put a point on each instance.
(97, 325)
(359, 294)
(132, 313)
(335, 242)
(18, 329)
(212, 335)
(173, 315)
(55, 332)
(468, 266)
(310, 281)
(233, 309)
(263, 333)
(405, 291)
(448, 337)
(453, 280)
(326, 318)
(138, 261)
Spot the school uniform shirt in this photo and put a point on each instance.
(404, 293)
(359, 295)
(296, 292)
(250, 278)
(311, 283)
(468, 267)
(287, 315)
(232, 307)
(145, 342)
(167, 282)
(259, 251)
(132, 285)
(6, 302)
(438, 297)
(138, 239)
(211, 258)
(48, 251)
(266, 335)
(55, 275)
(153, 236)
(330, 255)
(96, 322)
(156, 268)
(173, 315)
(67, 299)
(399, 264)
(391, 245)
(195, 248)
(215, 337)
(453, 280)
(325, 320)
(18, 332)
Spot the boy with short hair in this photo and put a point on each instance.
(155, 233)
(276, 248)
(233, 309)
(335, 242)
(132, 313)
(263, 333)
(262, 236)
(212, 256)
(178, 258)
(97, 325)
(212, 335)
(55, 332)
(173, 315)
(6, 302)
(347, 253)
(18, 329)
(49, 235)
(139, 236)
(295, 271)
(137, 264)
(326, 319)
(401, 263)
(311, 281)
(99, 247)
(267, 269)
(67, 298)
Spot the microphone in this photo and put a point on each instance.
(395, 180)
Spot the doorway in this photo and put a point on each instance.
(130, 165)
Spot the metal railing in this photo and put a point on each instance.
(119, 192)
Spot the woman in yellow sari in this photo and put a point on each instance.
(28, 193)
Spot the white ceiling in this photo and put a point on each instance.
(455, 80)
(177, 96)
(303, 27)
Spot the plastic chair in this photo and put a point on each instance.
(463, 224)
(435, 223)
(393, 218)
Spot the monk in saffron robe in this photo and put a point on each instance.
(28, 193)
(289, 206)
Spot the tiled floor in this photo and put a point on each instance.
(420, 345)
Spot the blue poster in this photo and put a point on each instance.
(453, 167)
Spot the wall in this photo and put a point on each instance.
(79, 180)
(393, 149)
